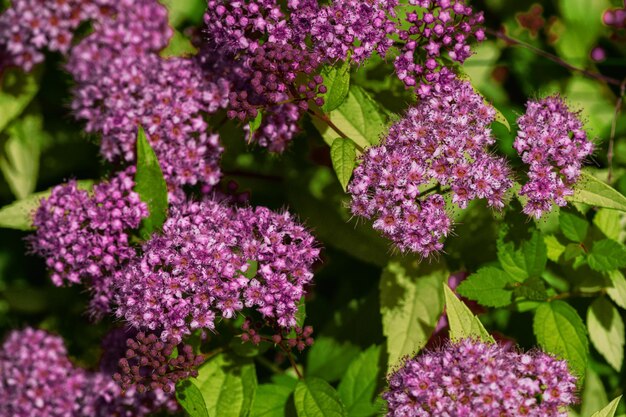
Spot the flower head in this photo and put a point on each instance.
(444, 27)
(470, 378)
(197, 270)
(84, 237)
(442, 142)
(38, 380)
(552, 142)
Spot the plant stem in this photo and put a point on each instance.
(554, 58)
(291, 360)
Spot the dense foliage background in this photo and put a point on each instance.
(370, 305)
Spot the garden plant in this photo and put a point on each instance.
(267, 208)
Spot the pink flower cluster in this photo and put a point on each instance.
(615, 18)
(84, 236)
(442, 30)
(38, 380)
(551, 140)
(470, 378)
(29, 27)
(442, 142)
(197, 270)
(350, 29)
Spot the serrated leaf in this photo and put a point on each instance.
(190, 398)
(606, 255)
(357, 388)
(19, 160)
(488, 286)
(606, 331)
(411, 302)
(314, 397)
(610, 223)
(227, 384)
(590, 190)
(535, 255)
(573, 226)
(617, 290)
(512, 261)
(463, 324)
(337, 83)
(555, 248)
(343, 156)
(329, 358)
(271, 400)
(532, 289)
(560, 331)
(501, 119)
(359, 117)
(609, 410)
(18, 215)
(150, 185)
(17, 90)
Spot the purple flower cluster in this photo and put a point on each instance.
(351, 29)
(266, 63)
(615, 18)
(551, 140)
(149, 365)
(198, 269)
(475, 379)
(84, 236)
(29, 27)
(38, 380)
(442, 142)
(445, 26)
(122, 82)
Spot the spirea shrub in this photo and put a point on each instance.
(470, 378)
(270, 207)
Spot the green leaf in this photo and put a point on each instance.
(609, 410)
(532, 289)
(227, 384)
(590, 190)
(593, 394)
(607, 255)
(535, 255)
(255, 124)
(150, 185)
(18, 215)
(617, 290)
(19, 160)
(179, 46)
(512, 261)
(488, 286)
(271, 400)
(314, 397)
(329, 358)
(337, 82)
(343, 155)
(357, 388)
(555, 248)
(606, 331)
(560, 331)
(574, 227)
(184, 10)
(17, 90)
(463, 324)
(411, 302)
(190, 398)
(359, 117)
(610, 223)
